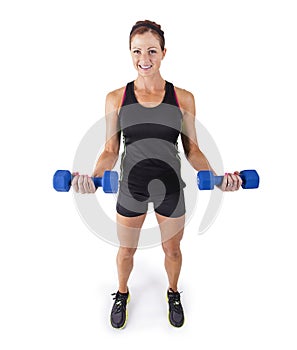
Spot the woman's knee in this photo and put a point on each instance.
(172, 251)
(126, 253)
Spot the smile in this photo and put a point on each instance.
(144, 67)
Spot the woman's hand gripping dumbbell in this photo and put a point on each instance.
(63, 180)
(247, 179)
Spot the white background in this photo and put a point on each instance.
(59, 59)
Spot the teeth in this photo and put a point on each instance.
(144, 67)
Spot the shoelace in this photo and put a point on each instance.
(174, 301)
(118, 301)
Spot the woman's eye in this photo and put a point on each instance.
(136, 52)
(152, 52)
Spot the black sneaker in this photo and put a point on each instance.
(176, 312)
(119, 313)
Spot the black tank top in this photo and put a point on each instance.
(150, 145)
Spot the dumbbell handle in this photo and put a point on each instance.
(97, 181)
(218, 179)
(109, 186)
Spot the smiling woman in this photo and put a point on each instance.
(147, 46)
(150, 113)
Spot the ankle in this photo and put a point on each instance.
(124, 290)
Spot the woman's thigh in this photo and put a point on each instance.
(128, 229)
(171, 229)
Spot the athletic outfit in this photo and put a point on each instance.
(150, 172)
(150, 163)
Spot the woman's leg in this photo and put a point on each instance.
(128, 230)
(172, 232)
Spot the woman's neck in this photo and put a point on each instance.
(149, 84)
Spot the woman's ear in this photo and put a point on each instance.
(164, 52)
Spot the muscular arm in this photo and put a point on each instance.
(110, 154)
(231, 182)
(189, 137)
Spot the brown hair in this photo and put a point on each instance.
(142, 27)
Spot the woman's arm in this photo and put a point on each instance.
(110, 154)
(188, 136)
(231, 182)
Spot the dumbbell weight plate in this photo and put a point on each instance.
(110, 181)
(250, 179)
(62, 180)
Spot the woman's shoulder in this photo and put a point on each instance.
(115, 97)
(185, 98)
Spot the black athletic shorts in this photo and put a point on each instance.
(173, 205)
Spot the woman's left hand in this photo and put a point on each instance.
(231, 182)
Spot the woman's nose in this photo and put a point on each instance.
(144, 57)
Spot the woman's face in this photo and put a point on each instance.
(146, 53)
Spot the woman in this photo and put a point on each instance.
(151, 113)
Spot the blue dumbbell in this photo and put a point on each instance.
(109, 182)
(206, 180)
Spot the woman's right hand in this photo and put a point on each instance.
(83, 183)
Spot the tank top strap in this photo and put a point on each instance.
(129, 96)
(170, 95)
